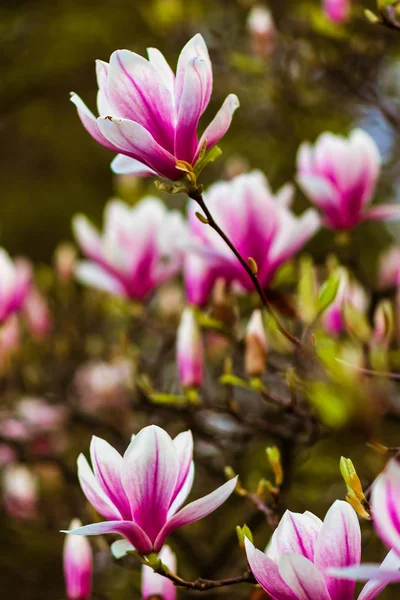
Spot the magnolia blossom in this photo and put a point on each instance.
(189, 350)
(154, 585)
(150, 115)
(78, 566)
(260, 225)
(41, 416)
(103, 385)
(15, 283)
(303, 548)
(337, 10)
(138, 250)
(37, 314)
(339, 176)
(20, 491)
(349, 293)
(140, 494)
(261, 27)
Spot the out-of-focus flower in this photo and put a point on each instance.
(157, 586)
(302, 548)
(78, 565)
(261, 28)
(138, 250)
(41, 416)
(350, 292)
(140, 494)
(389, 268)
(15, 277)
(260, 225)
(64, 260)
(255, 357)
(14, 429)
(170, 301)
(337, 10)
(7, 455)
(339, 176)
(20, 491)
(150, 115)
(102, 384)
(37, 314)
(10, 338)
(386, 518)
(189, 350)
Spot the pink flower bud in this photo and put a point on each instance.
(40, 415)
(337, 10)
(256, 346)
(7, 455)
(37, 314)
(20, 491)
(64, 261)
(189, 349)
(154, 585)
(78, 565)
(261, 28)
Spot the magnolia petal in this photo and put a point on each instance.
(184, 446)
(107, 465)
(149, 476)
(376, 575)
(267, 573)
(220, 124)
(373, 588)
(93, 492)
(295, 533)
(385, 505)
(318, 190)
(119, 548)
(89, 122)
(87, 237)
(132, 532)
(159, 61)
(382, 212)
(194, 47)
(134, 140)
(190, 109)
(94, 276)
(339, 545)
(124, 165)
(303, 577)
(196, 510)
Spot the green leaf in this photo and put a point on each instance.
(328, 292)
(208, 157)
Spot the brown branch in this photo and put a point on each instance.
(203, 585)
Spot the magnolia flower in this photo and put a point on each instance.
(349, 293)
(302, 548)
(138, 250)
(104, 385)
(140, 494)
(150, 115)
(15, 278)
(339, 176)
(260, 225)
(78, 566)
(389, 268)
(261, 27)
(37, 314)
(256, 346)
(337, 10)
(189, 350)
(386, 512)
(40, 415)
(20, 491)
(157, 586)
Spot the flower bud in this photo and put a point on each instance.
(78, 565)
(337, 10)
(7, 455)
(155, 585)
(256, 346)
(383, 325)
(242, 533)
(274, 458)
(20, 491)
(189, 349)
(37, 314)
(64, 262)
(261, 28)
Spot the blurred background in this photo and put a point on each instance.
(312, 76)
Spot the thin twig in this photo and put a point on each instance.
(207, 584)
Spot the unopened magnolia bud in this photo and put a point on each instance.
(78, 565)
(20, 491)
(222, 304)
(155, 585)
(337, 10)
(255, 358)
(383, 325)
(358, 506)
(37, 314)
(351, 478)
(242, 533)
(261, 28)
(274, 458)
(189, 350)
(64, 262)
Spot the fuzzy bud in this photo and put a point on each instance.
(78, 565)
(189, 350)
(256, 346)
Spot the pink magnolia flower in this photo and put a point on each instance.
(150, 115)
(140, 494)
(189, 350)
(154, 585)
(15, 277)
(41, 416)
(302, 548)
(20, 491)
(262, 30)
(104, 385)
(385, 504)
(337, 10)
(339, 176)
(349, 293)
(260, 225)
(138, 250)
(37, 314)
(78, 566)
